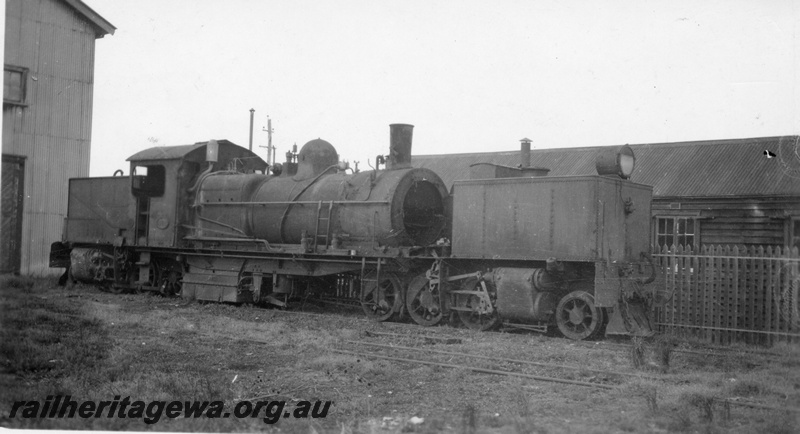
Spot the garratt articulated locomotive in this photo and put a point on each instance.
(508, 246)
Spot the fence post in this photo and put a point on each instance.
(768, 323)
(760, 296)
(794, 300)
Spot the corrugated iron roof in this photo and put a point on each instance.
(718, 168)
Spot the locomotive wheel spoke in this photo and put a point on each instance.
(475, 318)
(577, 317)
(172, 284)
(382, 300)
(422, 302)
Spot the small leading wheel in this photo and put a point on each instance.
(479, 317)
(422, 301)
(577, 317)
(380, 300)
(172, 284)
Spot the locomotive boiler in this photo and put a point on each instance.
(506, 246)
(315, 203)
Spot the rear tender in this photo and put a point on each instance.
(99, 217)
(100, 210)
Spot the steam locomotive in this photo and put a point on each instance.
(509, 246)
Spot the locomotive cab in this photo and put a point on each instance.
(162, 181)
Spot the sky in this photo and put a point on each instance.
(471, 76)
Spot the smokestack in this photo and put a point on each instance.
(525, 153)
(399, 146)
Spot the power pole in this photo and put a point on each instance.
(270, 148)
(251, 128)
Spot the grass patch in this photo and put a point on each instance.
(45, 340)
(41, 336)
(703, 402)
(18, 282)
(636, 352)
(158, 348)
(662, 349)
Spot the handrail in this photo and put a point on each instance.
(235, 240)
(301, 202)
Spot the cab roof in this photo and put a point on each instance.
(197, 153)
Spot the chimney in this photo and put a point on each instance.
(399, 146)
(525, 153)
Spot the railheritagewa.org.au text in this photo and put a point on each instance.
(153, 411)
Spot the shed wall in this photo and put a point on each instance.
(735, 221)
(53, 129)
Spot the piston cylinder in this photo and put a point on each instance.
(521, 295)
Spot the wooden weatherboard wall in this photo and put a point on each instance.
(742, 221)
(725, 294)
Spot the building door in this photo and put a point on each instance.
(13, 183)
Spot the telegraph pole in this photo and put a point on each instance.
(251, 128)
(270, 148)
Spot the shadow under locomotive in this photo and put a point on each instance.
(508, 246)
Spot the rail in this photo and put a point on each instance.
(504, 359)
(478, 369)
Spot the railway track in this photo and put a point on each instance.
(471, 367)
(501, 359)
(491, 365)
(428, 357)
(447, 332)
(709, 351)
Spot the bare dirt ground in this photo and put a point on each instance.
(93, 345)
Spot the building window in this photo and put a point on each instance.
(794, 232)
(15, 80)
(676, 231)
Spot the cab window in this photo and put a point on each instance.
(148, 180)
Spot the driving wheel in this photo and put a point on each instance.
(422, 301)
(381, 299)
(481, 315)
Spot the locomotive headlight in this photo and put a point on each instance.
(618, 161)
(626, 164)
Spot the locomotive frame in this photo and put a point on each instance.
(511, 246)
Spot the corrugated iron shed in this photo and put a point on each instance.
(765, 166)
(52, 43)
(102, 26)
